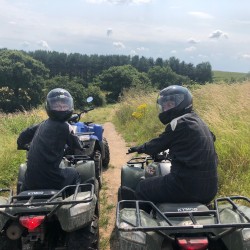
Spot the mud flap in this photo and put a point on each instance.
(86, 169)
(130, 176)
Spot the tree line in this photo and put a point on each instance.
(26, 77)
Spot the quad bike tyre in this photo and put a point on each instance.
(105, 161)
(85, 238)
(98, 166)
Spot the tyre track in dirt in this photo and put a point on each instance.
(112, 177)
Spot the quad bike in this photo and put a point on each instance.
(92, 135)
(53, 219)
(221, 225)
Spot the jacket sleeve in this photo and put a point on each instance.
(26, 137)
(157, 144)
(73, 141)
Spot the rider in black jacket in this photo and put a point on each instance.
(193, 176)
(47, 144)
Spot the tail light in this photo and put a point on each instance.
(31, 222)
(193, 243)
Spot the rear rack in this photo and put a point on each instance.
(39, 198)
(166, 216)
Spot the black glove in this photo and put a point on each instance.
(23, 147)
(138, 149)
(132, 150)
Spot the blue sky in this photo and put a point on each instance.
(195, 31)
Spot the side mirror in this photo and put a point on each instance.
(89, 99)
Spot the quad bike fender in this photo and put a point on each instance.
(21, 175)
(86, 170)
(130, 176)
(3, 218)
(74, 217)
(149, 240)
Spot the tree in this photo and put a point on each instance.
(203, 72)
(76, 89)
(21, 81)
(162, 77)
(116, 79)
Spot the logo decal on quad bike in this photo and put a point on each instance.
(187, 209)
(36, 193)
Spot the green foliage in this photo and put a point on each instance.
(76, 89)
(203, 72)
(162, 77)
(21, 81)
(137, 129)
(225, 108)
(116, 79)
(10, 158)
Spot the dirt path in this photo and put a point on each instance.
(111, 176)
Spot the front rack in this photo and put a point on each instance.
(147, 206)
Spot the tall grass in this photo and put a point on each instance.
(10, 158)
(226, 110)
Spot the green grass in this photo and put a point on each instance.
(10, 158)
(229, 77)
(224, 107)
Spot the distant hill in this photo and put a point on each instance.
(229, 76)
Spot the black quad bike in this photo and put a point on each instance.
(141, 225)
(52, 219)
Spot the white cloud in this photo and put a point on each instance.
(245, 56)
(190, 49)
(218, 34)
(119, 45)
(173, 51)
(192, 41)
(25, 44)
(13, 22)
(109, 32)
(43, 44)
(133, 52)
(202, 56)
(142, 49)
(199, 14)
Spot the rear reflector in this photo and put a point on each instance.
(31, 222)
(193, 243)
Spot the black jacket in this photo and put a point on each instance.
(191, 147)
(48, 140)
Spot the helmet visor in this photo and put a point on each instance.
(168, 102)
(60, 103)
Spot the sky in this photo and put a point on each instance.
(194, 31)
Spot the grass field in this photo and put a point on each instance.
(230, 77)
(224, 107)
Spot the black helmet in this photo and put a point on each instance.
(174, 101)
(59, 104)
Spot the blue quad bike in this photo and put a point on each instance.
(91, 134)
(143, 225)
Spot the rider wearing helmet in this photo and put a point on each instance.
(193, 176)
(47, 144)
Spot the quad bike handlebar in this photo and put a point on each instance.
(161, 156)
(77, 116)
